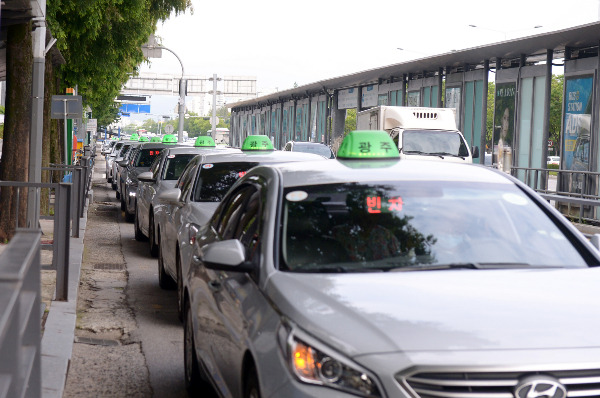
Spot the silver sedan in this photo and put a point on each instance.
(386, 278)
(195, 197)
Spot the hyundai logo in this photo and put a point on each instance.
(540, 387)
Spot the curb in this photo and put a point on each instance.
(59, 331)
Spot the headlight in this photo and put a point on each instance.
(322, 367)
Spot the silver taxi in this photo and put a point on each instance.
(390, 278)
(196, 195)
(163, 175)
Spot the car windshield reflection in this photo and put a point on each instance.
(446, 225)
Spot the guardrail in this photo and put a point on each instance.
(20, 326)
(61, 208)
(577, 189)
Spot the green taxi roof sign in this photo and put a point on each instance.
(169, 139)
(257, 143)
(204, 141)
(368, 144)
(134, 137)
(144, 139)
(155, 139)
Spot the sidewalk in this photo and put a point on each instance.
(59, 329)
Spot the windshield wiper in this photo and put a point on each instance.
(448, 154)
(424, 153)
(437, 267)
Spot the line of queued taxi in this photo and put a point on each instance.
(197, 193)
(163, 174)
(370, 276)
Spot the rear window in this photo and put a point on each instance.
(215, 179)
(322, 150)
(175, 165)
(146, 156)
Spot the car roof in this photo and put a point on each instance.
(259, 156)
(339, 171)
(190, 150)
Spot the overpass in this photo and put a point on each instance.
(235, 87)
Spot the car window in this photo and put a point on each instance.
(187, 175)
(146, 156)
(215, 179)
(432, 141)
(404, 224)
(315, 148)
(231, 213)
(155, 167)
(175, 164)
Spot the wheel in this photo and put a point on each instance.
(193, 381)
(153, 245)
(164, 280)
(117, 194)
(251, 389)
(123, 207)
(139, 235)
(179, 288)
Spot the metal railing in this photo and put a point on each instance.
(576, 191)
(20, 326)
(61, 214)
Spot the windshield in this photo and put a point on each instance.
(215, 179)
(433, 142)
(146, 156)
(396, 225)
(317, 149)
(175, 164)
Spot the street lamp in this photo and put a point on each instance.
(182, 87)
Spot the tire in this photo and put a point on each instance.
(128, 216)
(251, 388)
(193, 380)
(153, 245)
(180, 312)
(164, 280)
(123, 207)
(117, 194)
(139, 235)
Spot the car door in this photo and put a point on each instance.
(221, 314)
(145, 194)
(176, 216)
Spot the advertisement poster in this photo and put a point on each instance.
(577, 113)
(504, 125)
(453, 97)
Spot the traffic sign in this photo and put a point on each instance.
(168, 129)
(550, 144)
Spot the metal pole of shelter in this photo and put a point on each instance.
(37, 118)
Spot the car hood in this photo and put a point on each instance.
(362, 313)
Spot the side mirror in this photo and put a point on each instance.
(123, 163)
(170, 196)
(475, 152)
(226, 255)
(146, 176)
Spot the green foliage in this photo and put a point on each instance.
(350, 123)
(101, 42)
(552, 166)
(556, 105)
(2, 109)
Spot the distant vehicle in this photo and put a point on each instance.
(310, 147)
(420, 132)
(555, 160)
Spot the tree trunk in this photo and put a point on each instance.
(17, 127)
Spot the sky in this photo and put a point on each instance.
(282, 45)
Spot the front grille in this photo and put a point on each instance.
(426, 384)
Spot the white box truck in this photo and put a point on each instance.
(420, 132)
